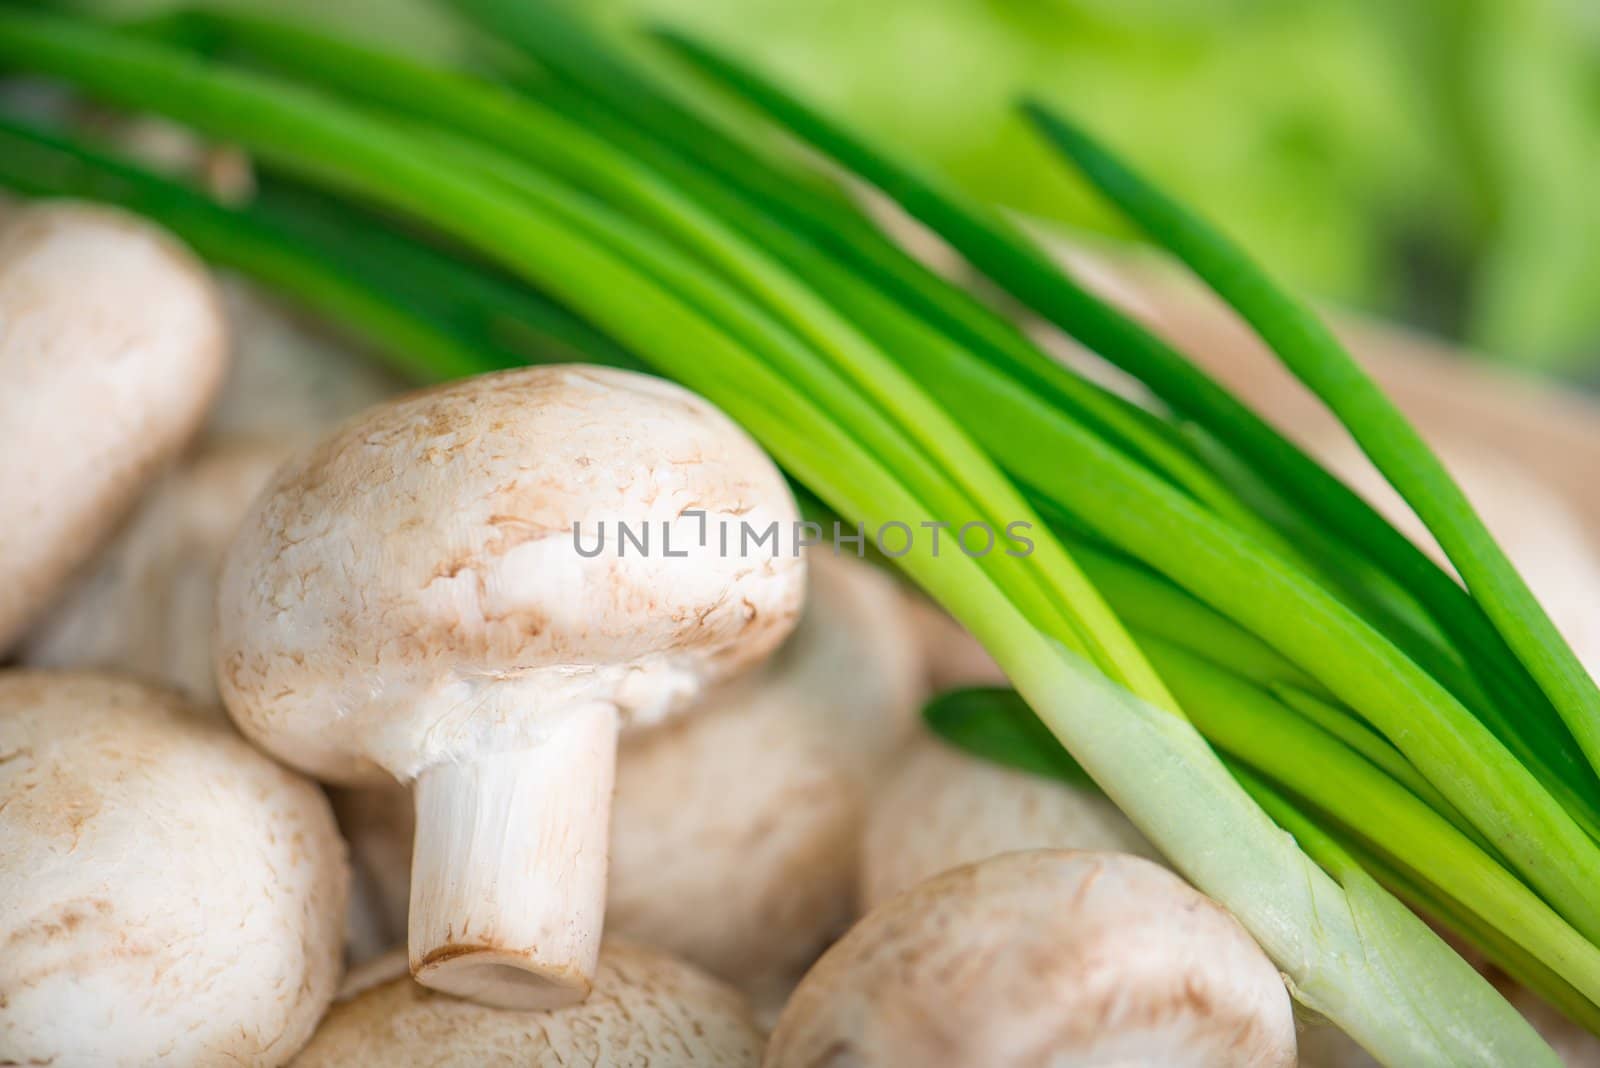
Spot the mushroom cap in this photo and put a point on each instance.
(410, 592)
(940, 808)
(148, 605)
(168, 895)
(647, 1011)
(112, 348)
(736, 833)
(1045, 957)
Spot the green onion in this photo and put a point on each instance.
(1251, 726)
(1310, 350)
(1465, 743)
(1324, 775)
(479, 111)
(891, 395)
(1347, 860)
(545, 139)
(1016, 264)
(762, 199)
(995, 725)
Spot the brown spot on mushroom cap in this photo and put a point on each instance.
(1040, 958)
(938, 808)
(408, 593)
(112, 346)
(647, 1011)
(168, 895)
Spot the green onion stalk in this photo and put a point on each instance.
(1011, 261)
(1313, 728)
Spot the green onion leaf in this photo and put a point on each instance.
(1314, 355)
(998, 726)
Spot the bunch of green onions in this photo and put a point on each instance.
(1311, 719)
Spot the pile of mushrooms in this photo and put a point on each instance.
(620, 806)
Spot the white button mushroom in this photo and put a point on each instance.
(112, 344)
(940, 808)
(424, 596)
(1042, 958)
(736, 830)
(737, 833)
(149, 603)
(646, 1010)
(167, 894)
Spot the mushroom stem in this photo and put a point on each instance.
(508, 883)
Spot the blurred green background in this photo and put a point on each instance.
(1433, 161)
